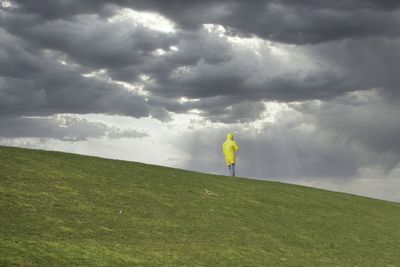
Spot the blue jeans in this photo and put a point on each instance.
(231, 170)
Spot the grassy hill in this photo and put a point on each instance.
(65, 209)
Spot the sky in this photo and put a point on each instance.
(310, 89)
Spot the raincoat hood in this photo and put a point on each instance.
(229, 136)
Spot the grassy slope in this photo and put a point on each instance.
(63, 209)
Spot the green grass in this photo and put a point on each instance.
(63, 209)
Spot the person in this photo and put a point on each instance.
(229, 148)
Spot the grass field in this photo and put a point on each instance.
(70, 210)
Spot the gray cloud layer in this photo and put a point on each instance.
(366, 121)
(65, 128)
(36, 38)
(288, 21)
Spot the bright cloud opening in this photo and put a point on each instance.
(152, 21)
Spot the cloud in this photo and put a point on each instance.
(34, 82)
(366, 121)
(62, 127)
(369, 63)
(116, 133)
(74, 63)
(298, 22)
(313, 22)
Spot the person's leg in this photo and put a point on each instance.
(233, 169)
(230, 170)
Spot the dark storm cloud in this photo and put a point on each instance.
(32, 71)
(209, 81)
(241, 112)
(36, 38)
(80, 95)
(288, 21)
(227, 94)
(65, 128)
(90, 41)
(32, 56)
(369, 63)
(34, 82)
(291, 22)
(194, 47)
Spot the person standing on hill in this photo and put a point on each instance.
(229, 148)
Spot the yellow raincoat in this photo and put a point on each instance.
(229, 148)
